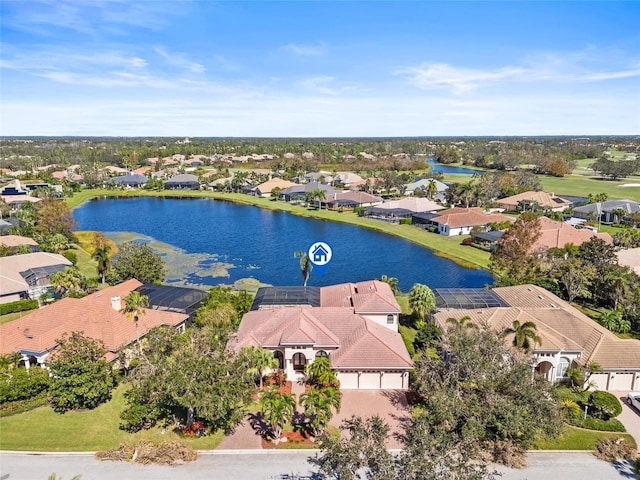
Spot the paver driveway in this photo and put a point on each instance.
(391, 405)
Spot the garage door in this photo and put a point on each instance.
(623, 381)
(392, 380)
(370, 381)
(599, 380)
(348, 380)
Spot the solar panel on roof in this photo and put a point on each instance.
(467, 298)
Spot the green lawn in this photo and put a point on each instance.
(578, 439)
(12, 316)
(44, 430)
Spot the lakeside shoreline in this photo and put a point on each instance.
(445, 247)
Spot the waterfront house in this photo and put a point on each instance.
(353, 324)
(183, 181)
(264, 189)
(568, 337)
(97, 316)
(460, 221)
(28, 275)
(554, 234)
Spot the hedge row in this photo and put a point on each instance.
(611, 425)
(19, 306)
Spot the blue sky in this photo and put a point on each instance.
(312, 69)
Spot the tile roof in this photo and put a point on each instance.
(360, 342)
(17, 240)
(10, 267)
(543, 199)
(94, 315)
(555, 234)
(356, 196)
(371, 296)
(414, 204)
(468, 217)
(560, 326)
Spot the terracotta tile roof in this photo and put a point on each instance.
(93, 315)
(269, 185)
(543, 199)
(360, 343)
(468, 217)
(555, 234)
(10, 267)
(371, 296)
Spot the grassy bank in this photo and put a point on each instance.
(43, 430)
(448, 247)
(573, 438)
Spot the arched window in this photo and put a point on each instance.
(390, 319)
(321, 353)
(299, 362)
(280, 357)
(563, 365)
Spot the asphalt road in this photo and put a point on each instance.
(269, 465)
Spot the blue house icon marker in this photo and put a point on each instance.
(319, 254)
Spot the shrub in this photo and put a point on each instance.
(71, 256)
(24, 384)
(611, 425)
(604, 405)
(569, 408)
(19, 306)
(612, 449)
(466, 241)
(405, 221)
(277, 377)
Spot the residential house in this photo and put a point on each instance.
(534, 201)
(404, 208)
(423, 184)
(184, 181)
(353, 324)
(460, 221)
(554, 234)
(299, 192)
(134, 180)
(264, 189)
(28, 275)
(348, 178)
(351, 200)
(628, 258)
(607, 212)
(14, 241)
(97, 316)
(568, 337)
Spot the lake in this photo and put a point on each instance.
(437, 167)
(210, 242)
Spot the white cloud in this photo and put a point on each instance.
(320, 84)
(305, 50)
(180, 61)
(572, 67)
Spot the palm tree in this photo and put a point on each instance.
(305, 265)
(317, 405)
(321, 373)
(392, 282)
(277, 409)
(432, 189)
(421, 300)
(462, 322)
(318, 194)
(66, 280)
(262, 360)
(523, 334)
(134, 305)
(101, 255)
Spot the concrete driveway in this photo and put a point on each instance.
(630, 417)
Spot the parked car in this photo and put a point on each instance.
(633, 399)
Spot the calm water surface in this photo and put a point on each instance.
(256, 243)
(437, 167)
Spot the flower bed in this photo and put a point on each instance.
(290, 440)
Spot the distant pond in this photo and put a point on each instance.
(210, 242)
(437, 167)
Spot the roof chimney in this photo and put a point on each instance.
(116, 304)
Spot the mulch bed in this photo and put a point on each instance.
(286, 388)
(292, 438)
